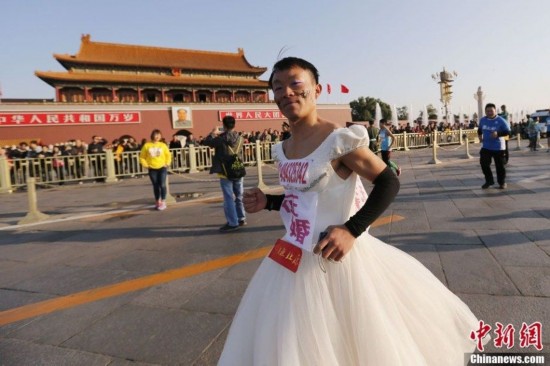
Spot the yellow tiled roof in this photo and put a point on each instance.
(100, 53)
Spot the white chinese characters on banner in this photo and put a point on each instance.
(252, 114)
(67, 118)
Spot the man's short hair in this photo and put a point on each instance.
(490, 105)
(228, 122)
(383, 121)
(288, 63)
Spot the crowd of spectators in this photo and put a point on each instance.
(432, 126)
(126, 143)
(55, 157)
(521, 127)
(61, 159)
(58, 156)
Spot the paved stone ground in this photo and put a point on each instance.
(490, 247)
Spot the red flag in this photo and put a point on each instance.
(344, 89)
(329, 89)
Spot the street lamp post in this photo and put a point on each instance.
(445, 79)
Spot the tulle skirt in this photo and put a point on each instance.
(378, 307)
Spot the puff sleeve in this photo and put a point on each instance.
(349, 139)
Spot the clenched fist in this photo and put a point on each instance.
(254, 200)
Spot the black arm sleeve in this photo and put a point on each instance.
(274, 201)
(386, 186)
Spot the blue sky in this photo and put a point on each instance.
(386, 49)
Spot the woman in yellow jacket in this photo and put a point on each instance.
(156, 157)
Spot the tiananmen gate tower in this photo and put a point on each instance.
(111, 89)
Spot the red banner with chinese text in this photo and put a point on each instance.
(67, 118)
(253, 114)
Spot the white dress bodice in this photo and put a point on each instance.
(315, 196)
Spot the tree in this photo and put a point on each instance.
(432, 112)
(364, 109)
(403, 113)
(359, 111)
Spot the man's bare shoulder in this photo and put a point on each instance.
(329, 125)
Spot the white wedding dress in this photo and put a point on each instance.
(378, 307)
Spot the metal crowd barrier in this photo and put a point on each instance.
(405, 141)
(95, 167)
(109, 167)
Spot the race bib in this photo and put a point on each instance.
(286, 254)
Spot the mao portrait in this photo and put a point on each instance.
(181, 117)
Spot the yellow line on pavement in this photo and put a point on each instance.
(84, 297)
(387, 220)
(69, 301)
